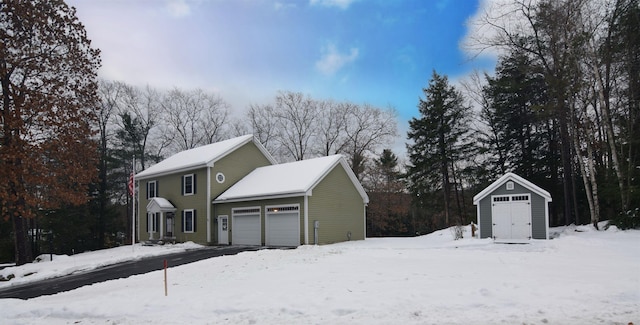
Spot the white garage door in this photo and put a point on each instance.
(282, 228)
(245, 227)
(511, 217)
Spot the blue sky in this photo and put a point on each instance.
(380, 52)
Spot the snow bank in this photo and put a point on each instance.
(581, 277)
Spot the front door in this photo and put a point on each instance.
(170, 223)
(223, 230)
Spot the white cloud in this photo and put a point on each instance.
(342, 4)
(332, 60)
(178, 8)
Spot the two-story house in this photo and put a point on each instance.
(233, 192)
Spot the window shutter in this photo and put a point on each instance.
(148, 222)
(182, 221)
(194, 184)
(194, 220)
(182, 185)
(148, 192)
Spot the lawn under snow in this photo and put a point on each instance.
(581, 277)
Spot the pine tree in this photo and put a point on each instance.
(48, 76)
(439, 144)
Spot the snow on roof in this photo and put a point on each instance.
(159, 204)
(511, 176)
(199, 157)
(288, 179)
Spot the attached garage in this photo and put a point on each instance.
(282, 226)
(513, 209)
(246, 228)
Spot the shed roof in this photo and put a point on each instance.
(200, 157)
(287, 180)
(511, 177)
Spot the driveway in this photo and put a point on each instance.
(118, 271)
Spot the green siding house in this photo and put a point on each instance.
(232, 192)
(175, 195)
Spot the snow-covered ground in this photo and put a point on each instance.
(581, 277)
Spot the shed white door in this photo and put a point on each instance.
(283, 229)
(245, 230)
(511, 217)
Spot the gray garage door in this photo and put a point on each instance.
(245, 229)
(283, 229)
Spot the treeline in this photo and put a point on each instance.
(562, 110)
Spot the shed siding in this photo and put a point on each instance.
(538, 222)
(226, 209)
(337, 205)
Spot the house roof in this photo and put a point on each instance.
(287, 180)
(200, 157)
(511, 177)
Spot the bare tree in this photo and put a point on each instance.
(263, 120)
(367, 129)
(331, 123)
(192, 118)
(296, 115)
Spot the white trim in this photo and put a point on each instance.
(208, 205)
(218, 174)
(259, 198)
(478, 225)
(306, 220)
(155, 189)
(511, 176)
(184, 184)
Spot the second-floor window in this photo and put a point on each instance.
(189, 184)
(152, 189)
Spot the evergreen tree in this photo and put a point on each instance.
(439, 145)
(387, 213)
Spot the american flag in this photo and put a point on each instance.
(131, 184)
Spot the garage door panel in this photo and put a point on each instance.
(246, 230)
(501, 220)
(283, 229)
(511, 217)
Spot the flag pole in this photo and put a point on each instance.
(133, 205)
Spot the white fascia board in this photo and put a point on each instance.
(261, 197)
(530, 186)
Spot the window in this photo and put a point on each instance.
(509, 186)
(152, 189)
(500, 198)
(189, 184)
(220, 178)
(189, 221)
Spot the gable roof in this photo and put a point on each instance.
(511, 177)
(159, 204)
(288, 180)
(201, 157)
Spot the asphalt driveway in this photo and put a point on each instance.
(117, 271)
